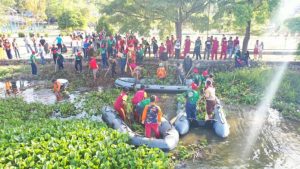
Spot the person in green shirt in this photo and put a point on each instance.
(78, 62)
(192, 97)
(140, 107)
(33, 63)
(196, 77)
(110, 43)
(60, 61)
(140, 55)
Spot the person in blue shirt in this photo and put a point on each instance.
(86, 46)
(59, 41)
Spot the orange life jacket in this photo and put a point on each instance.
(56, 86)
(7, 85)
(161, 72)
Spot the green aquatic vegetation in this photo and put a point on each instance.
(93, 102)
(10, 71)
(192, 151)
(29, 139)
(66, 109)
(53, 143)
(247, 86)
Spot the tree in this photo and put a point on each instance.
(103, 24)
(4, 6)
(71, 19)
(245, 14)
(293, 24)
(142, 15)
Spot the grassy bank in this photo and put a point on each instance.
(28, 138)
(247, 86)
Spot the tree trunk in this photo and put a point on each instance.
(178, 27)
(247, 37)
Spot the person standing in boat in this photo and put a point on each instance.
(192, 97)
(138, 97)
(197, 78)
(120, 103)
(152, 118)
(140, 108)
(210, 96)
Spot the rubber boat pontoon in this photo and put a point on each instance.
(149, 86)
(169, 140)
(219, 123)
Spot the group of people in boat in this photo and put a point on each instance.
(146, 110)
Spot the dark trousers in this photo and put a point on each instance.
(177, 53)
(85, 50)
(8, 53)
(78, 63)
(104, 61)
(113, 71)
(54, 58)
(190, 110)
(207, 53)
(147, 49)
(59, 46)
(122, 66)
(60, 65)
(17, 53)
(197, 53)
(180, 79)
(33, 69)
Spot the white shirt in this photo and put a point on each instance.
(177, 45)
(210, 93)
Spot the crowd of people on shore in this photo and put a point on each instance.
(128, 52)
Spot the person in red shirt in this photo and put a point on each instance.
(236, 42)
(161, 50)
(215, 49)
(169, 45)
(224, 48)
(121, 44)
(94, 67)
(172, 45)
(120, 103)
(137, 98)
(187, 46)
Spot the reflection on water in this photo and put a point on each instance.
(36, 91)
(278, 145)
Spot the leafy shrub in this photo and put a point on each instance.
(38, 34)
(46, 35)
(31, 34)
(71, 19)
(21, 34)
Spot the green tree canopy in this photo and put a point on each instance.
(103, 24)
(293, 24)
(143, 15)
(244, 14)
(71, 19)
